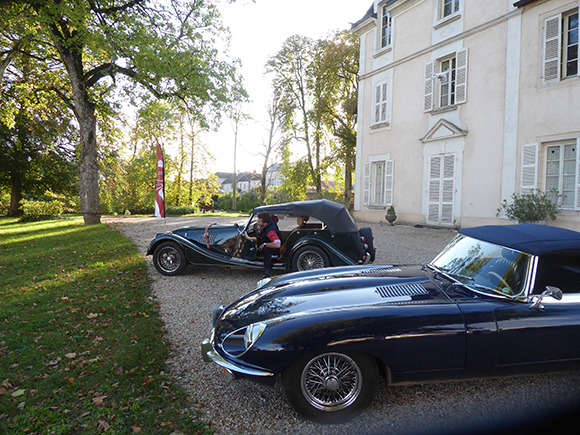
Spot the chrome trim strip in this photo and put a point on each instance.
(209, 354)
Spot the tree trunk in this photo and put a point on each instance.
(15, 197)
(84, 111)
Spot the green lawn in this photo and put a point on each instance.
(82, 346)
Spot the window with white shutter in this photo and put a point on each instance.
(529, 173)
(560, 46)
(380, 104)
(445, 82)
(379, 177)
(367, 183)
(552, 36)
(428, 87)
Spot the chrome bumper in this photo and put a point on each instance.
(209, 354)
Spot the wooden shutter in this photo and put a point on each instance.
(448, 190)
(529, 175)
(428, 87)
(434, 189)
(389, 166)
(381, 114)
(441, 193)
(552, 44)
(461, 77)
(367, 183)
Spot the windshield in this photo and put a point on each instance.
(484, 266)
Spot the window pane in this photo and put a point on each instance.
(569, 183)
(569, 167)
(554, 153)
(570, 152)
(551, 183)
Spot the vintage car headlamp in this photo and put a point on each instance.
(239, 342)
(253, 332)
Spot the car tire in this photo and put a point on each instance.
(309, 258)
(367, 233)
(331, 387)
(169, 259)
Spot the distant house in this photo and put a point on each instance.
(274, 176)
(245, 181)
(463, 103)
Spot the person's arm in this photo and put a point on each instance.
(275, 244)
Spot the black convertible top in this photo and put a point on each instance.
(530, 238)
(334, 215)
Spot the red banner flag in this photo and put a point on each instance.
(160, 184)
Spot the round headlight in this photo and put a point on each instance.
(253, 332)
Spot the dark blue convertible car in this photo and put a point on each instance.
(498, 300)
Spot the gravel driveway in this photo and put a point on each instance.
(243, 407)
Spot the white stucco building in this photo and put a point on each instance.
(464, 102)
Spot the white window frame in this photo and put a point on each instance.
(437, 77)
(564, 168)
(378, 183)
(381, 111)
(534, 170)
(555, 43)
(455, 7)
(386, 29)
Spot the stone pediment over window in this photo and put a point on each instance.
(442, 130)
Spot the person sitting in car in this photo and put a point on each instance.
(268, 239)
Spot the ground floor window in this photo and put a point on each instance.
(561, 173)
(378, 183)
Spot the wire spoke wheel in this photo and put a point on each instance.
(310, 258)
(169, 259)
(331, 381)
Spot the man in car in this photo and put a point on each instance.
(268, 239)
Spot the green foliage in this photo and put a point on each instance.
(181, 210)
(35, 210)
(248, 201)
(82, 341)
(224, 202)
(528, 208)
(245, 201)
(295, 179)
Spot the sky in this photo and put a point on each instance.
(258, 31)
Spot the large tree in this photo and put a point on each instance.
(339, 100)
(291, 67)
(166, 47)
(36, 133)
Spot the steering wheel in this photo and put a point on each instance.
(252, 231)
(501, 281)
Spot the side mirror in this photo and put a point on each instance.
(236, 226)
(551, 291)
(554, 292)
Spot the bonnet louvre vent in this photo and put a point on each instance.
(381, 270)
(392, 291)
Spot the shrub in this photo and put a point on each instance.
(181, 210)
(35, 210)
(531, 207)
